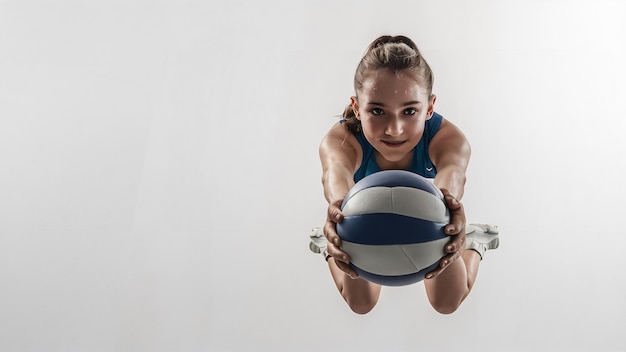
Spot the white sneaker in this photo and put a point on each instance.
(481, 237)
(318, 242)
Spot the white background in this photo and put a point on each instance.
(159, 173)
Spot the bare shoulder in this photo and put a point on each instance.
(449, 141)
(448, 134)
(340, 146)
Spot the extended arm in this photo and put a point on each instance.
(340, 153)
(450, 152)
(339, 156)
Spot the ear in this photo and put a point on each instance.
(431, 106)
(355, 108)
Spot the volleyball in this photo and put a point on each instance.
(393, 227)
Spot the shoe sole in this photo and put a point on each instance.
(314, 248)
(489, 240)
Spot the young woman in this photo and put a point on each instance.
(391, 124)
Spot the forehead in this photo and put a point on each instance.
(386, 84)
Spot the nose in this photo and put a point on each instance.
(394, 128)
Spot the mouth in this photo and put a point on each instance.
(393, 144)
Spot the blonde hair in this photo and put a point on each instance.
(394, 53)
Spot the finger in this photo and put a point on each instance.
(457, 242)
(458, 218)
(457, 221)
(445, 262)
(347, 269)
(342, 260)
(334, 213)
(330, 231)
(450, 200)
(337, 253)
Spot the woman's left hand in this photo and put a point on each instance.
(456, 229)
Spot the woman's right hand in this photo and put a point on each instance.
(342, 259)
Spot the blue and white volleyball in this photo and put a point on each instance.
(393, 227)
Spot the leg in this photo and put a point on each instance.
(447, 291)
(360, 295)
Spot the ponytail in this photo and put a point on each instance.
(351, 122)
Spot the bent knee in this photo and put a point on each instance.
(445, 306)
(361, 306)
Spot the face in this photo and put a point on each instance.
(393, 108)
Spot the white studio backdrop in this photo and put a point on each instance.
(159, 173)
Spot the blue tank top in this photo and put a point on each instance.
(421, 164)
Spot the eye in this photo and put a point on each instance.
(377, 111)
(410, 111)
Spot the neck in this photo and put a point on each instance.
(403, 164)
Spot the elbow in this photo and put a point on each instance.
(325, 177)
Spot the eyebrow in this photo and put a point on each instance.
(413, 102)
